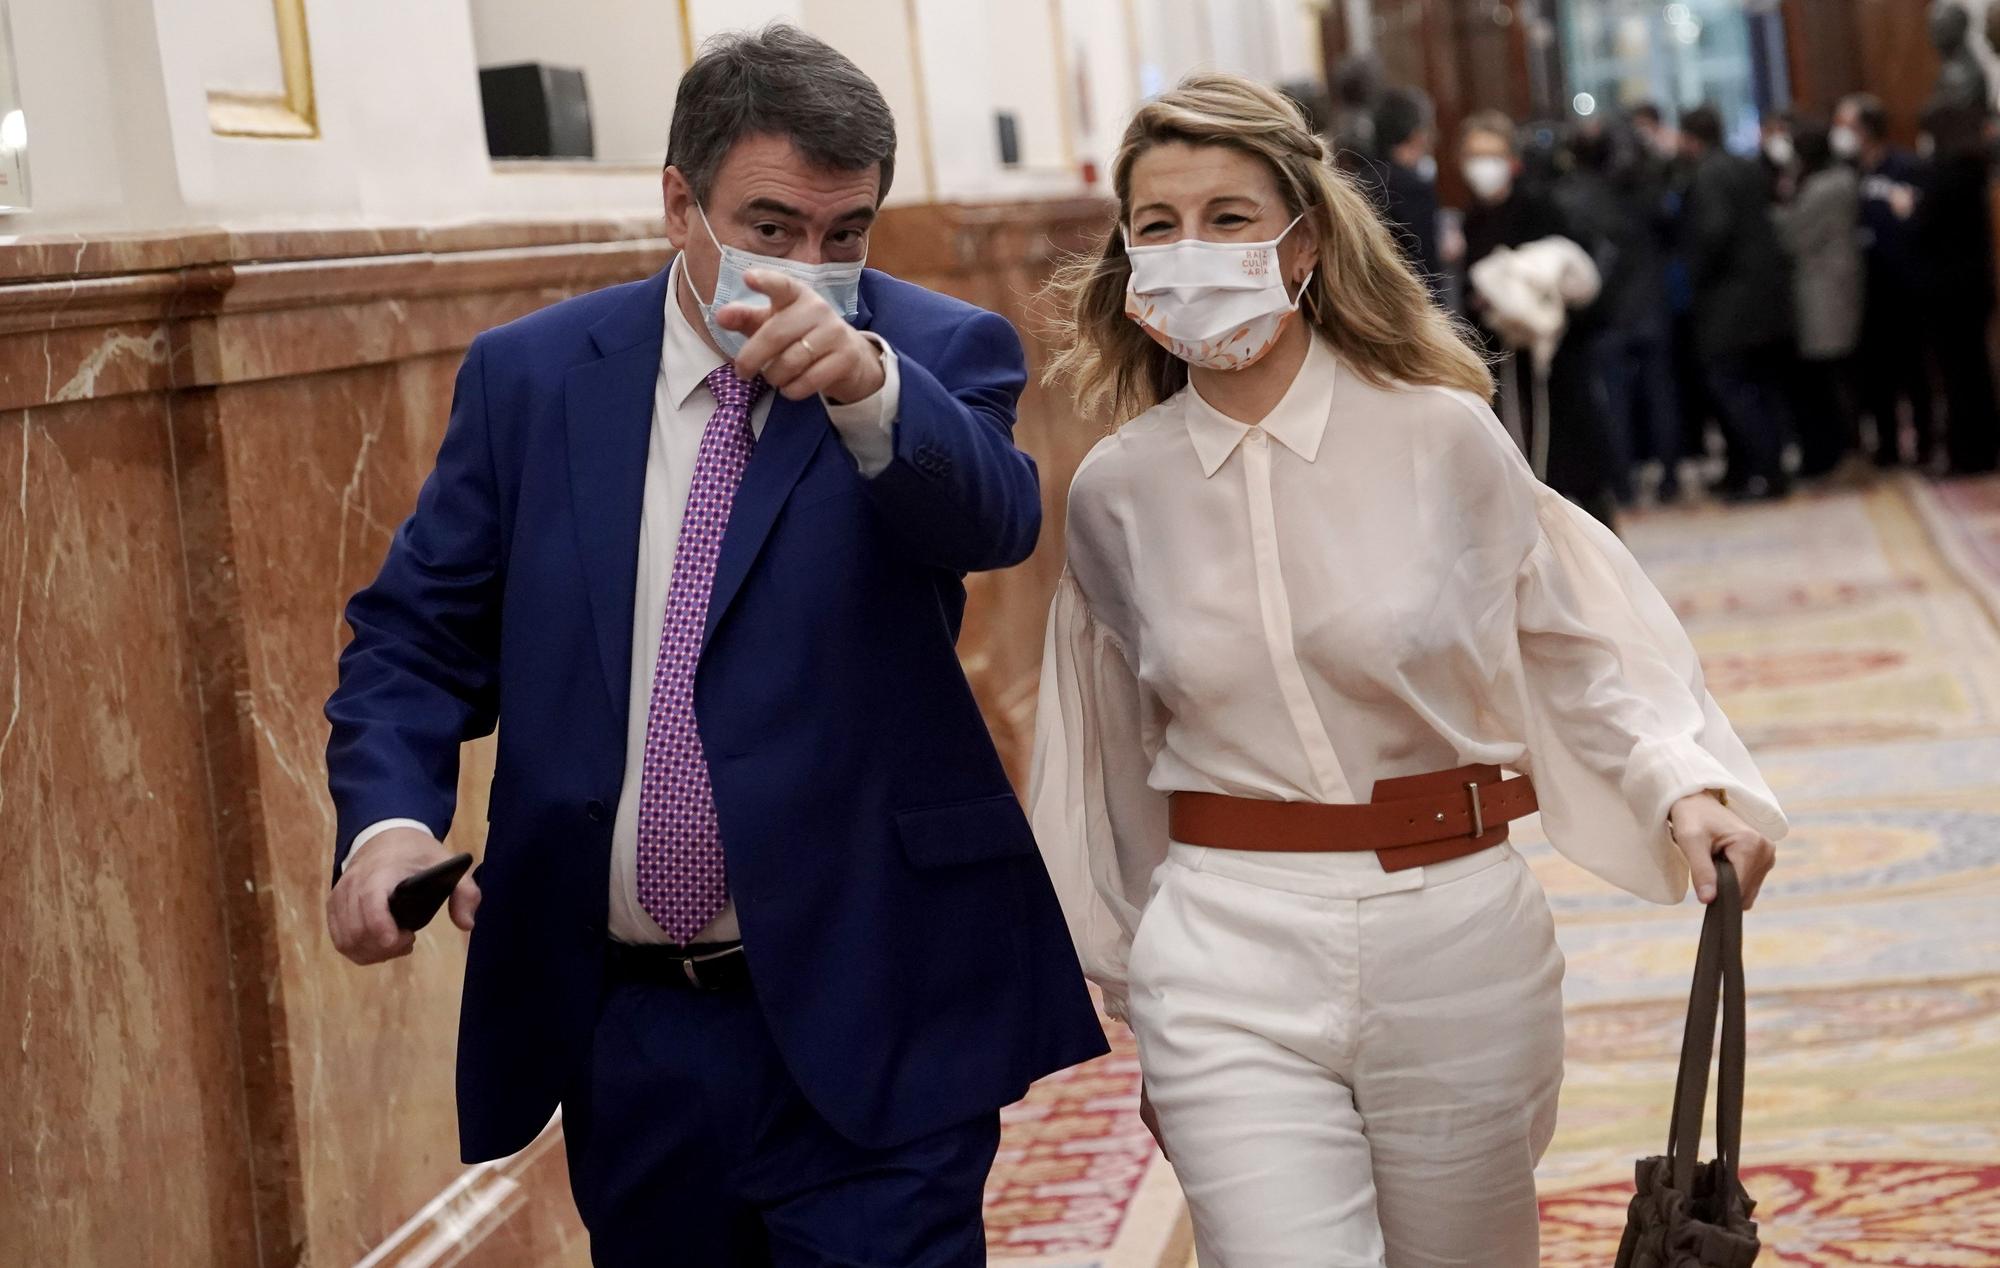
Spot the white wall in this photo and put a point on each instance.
(99, 149)
(628, 50)
(875, 34)
(116, 98)
(1106, 65)
(242, 49)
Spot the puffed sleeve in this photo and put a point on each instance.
(1620, 721)
(1613, 709)
(1102, 830)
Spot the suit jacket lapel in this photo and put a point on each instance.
(792, 433)
(609, 408)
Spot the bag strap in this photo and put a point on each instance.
(1731, 1064)
(1718, 970)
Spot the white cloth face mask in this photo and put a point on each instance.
(838, 283)
(1217, 305)
(1489, 176)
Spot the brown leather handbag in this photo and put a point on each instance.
(1690, 1214)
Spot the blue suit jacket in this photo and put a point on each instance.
(907, 948)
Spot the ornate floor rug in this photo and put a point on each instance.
(1855, 640)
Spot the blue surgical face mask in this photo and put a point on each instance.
(838, 284)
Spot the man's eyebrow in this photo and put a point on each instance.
(774, 207)
(865, 214)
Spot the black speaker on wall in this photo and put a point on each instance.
(1009, 126)
(536, 111)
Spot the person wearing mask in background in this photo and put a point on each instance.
(1777, 152)
(1890, 366)
(1955, 240)
(1613, 199)
(1308, 578)
(1406, 181)
(1821, 230)
(1742, 305)
(1506, 213)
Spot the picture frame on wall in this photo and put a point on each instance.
(13, 125)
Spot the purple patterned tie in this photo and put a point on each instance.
(681, 881)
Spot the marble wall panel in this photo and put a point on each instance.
(315, 472)
(123, 1130)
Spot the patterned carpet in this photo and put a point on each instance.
(1855, 640)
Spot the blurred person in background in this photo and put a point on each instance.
(1777, 152)
(1613, 197)
(1890, 367)
(1821, 230)
(1357, 91)
(1955, 240)
(1506, 212)
(1309, 576)
(1658, 138)
(1668, 168)
(1742, 305)
(1406, 181)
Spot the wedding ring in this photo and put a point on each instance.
(807, 345)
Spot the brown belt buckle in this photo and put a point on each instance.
(1478, 813)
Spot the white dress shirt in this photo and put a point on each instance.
(1369, 584)
(682, 405)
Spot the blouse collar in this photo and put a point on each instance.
(1297, 421)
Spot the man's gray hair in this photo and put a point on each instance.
(783, 82)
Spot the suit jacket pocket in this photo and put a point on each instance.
(963, 832)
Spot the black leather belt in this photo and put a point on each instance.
(699, 966)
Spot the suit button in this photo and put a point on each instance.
(594, 809)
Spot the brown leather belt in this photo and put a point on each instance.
(1410, 822)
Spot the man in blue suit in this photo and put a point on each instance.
(758, 907)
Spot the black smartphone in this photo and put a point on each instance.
(417, 898)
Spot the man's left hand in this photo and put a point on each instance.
(800, 345)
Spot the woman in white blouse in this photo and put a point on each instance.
(1315, 601)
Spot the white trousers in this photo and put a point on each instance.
(1351, 1067)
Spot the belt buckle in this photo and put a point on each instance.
(1478, 812)
(693, 975)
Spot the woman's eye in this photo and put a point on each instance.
(1230, 220)
(1156, 227)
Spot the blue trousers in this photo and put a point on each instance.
(1636, 366)
(690, 1145)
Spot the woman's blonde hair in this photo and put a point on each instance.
(1363, 298)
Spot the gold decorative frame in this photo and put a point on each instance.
(288, 115)
(929, 160)
(687, 34)
(1065, 85)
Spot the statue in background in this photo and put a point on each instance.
(1961, 81)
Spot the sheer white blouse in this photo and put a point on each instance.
(1369, 584)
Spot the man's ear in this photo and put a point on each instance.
(677, 199)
